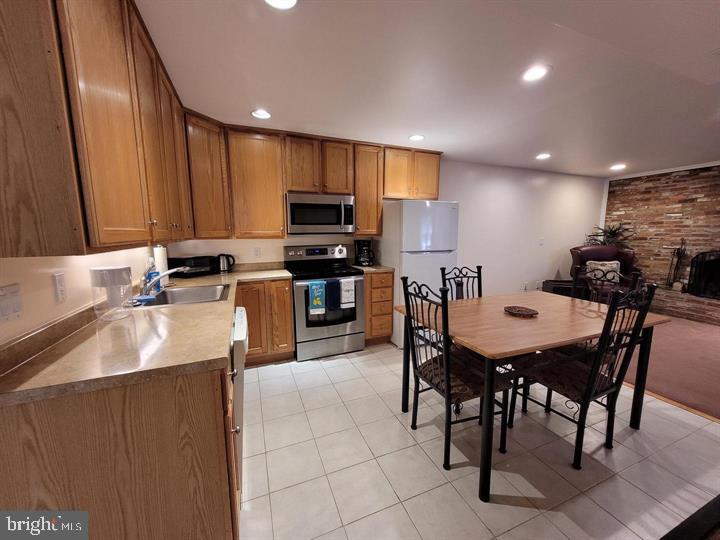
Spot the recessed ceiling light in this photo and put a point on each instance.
(543, 156)
(417, 138)
(281, 4)
(536, 72)
(618, 167)
(261, 114)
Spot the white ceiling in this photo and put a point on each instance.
(632, 81)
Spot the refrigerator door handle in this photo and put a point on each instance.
(440, 251)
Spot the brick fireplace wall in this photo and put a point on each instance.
(663, 208)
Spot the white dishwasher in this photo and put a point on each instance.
(239, 348)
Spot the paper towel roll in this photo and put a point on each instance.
(161, 264)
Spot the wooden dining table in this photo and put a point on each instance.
(481, 325)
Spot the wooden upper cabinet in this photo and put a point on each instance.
(146, 77)
(183, 178)
(302, 164)
(208, 178)
(368, 190)
(256, 175)
(398, 173)
(411, 174)
(427, 175)
(40, 203)
(100, 78)
(337, 167)
(280, 310)
(167, 114)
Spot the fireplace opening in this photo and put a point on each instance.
(705, 275)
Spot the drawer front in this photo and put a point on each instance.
(381, 308)
(381, 325)
(381, 280)
(381, 295)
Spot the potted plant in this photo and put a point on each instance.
(617, 235)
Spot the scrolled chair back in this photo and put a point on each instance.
(601, 283)
(462, 282)
(624, 321)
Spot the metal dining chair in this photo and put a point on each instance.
(589, 374)
(462, 282)
(451, 371)
(597, 284)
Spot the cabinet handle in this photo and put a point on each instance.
(153, 222)
(236, 429)
(233, 373)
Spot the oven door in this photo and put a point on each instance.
(320, 214)
(333, 322)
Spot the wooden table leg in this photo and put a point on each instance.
(405, 368)
(488, 418)
(641, 377)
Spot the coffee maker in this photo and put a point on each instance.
(364, 254)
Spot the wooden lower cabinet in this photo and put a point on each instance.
(269, 308)
(378, 305)
(147, 460)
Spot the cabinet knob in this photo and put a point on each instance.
(233, 373)
(153, 222)
(236, 429)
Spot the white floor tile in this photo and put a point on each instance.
(361, 490)
(637, 510)
(712, 430)
(311, 379)
(253, 441)
(305, 366)
(430, 424)
(329, 420)
(368, 409)
(537, 528)
(343, 372)
(337, 534)
(304, 511)
(293, 465)
(254, 477)
(616, 459)
(507, 507)
(580, 518)
(251, 392)
(343, 449)
(256, 519)
(410, 472)
(384, 382)
(529, 434)
(286, 431)
(393, 400)
(442, 513)
(319, 396)
(557, 424)
(281, 405)
(371, 366)
(695, 459)
(387, 435)
(277, 386)
(274, 370)
(252, 412)
(390, 524)
(250, 375)
(559, 456)
(677, 494)
(334, 361)
(655, 433)
(464, 455)
(354, 389)
(675, 414)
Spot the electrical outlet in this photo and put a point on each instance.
(10, 302)
(258, 252)
(59, 282)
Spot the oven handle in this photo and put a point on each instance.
(342, 215)
(306, 283)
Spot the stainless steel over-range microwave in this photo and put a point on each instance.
(320, 214)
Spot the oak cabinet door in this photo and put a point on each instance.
(426, 175)
(252, 296)
(368, 190)
(280, 329)
(208, 178)
(167, 113)
(337, 167)
(99, 67)
(302, 164)
(258, 191)
(183, 179)
(398, 173)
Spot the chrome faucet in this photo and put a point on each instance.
(147, 287)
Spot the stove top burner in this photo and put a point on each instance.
(318, 262)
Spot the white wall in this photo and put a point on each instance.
(35, 276)
(518, 223)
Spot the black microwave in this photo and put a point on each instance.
(320, 214)
(198, 266)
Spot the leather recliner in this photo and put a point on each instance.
(582, 254)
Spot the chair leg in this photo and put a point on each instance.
(482, 400)
(525, 394)
(610, 421)
(446, 454)
(504, 423)
(548, 400)
(513, 399)
(416, 398)
(577, 460)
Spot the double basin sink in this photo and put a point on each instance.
(189, 295)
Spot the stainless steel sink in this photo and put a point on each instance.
(190, 295)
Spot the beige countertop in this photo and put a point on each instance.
(152, 342)
(375, 268)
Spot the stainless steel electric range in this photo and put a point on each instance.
(335, 327)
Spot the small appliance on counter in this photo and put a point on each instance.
(204, 265)
(364, 254)
(112, 291)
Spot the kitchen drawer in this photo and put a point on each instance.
(381, 325)
(381, 295)
(381, 280)
(381, 308)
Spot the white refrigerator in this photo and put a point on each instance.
(419, 237)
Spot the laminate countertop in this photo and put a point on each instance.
(374, 268)
(151, 342)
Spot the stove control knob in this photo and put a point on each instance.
(332, 251)
(291, 253)
(340, 251)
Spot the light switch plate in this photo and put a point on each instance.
(10, 302)
(59, 282)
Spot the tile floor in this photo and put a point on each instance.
(328, 454)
